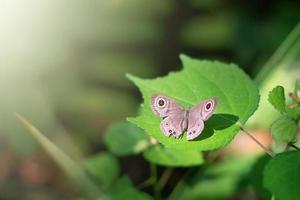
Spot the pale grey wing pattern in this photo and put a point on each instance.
(164, 106)
(195, 128)
(173, 125)
(197, 115)
(195, 122)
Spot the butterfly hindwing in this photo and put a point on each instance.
(173, 125)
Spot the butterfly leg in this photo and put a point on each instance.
(178, 135)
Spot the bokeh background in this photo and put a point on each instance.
(63, 66)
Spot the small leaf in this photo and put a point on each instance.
(124, 190)
(282, 176)
(72, 169)
(237, 95)
(284, 129)
(277, 99)
(125, 138)
(173, 157)
(104, 167)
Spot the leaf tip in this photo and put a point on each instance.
(128, 75)
(184, 57)
(133, 78)
(131, 120)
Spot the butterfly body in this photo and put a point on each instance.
(177, 119)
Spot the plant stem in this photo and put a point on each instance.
(146, 183)
(154, 177)
(287, 46)
(151, 180)
(268, 151)
(164, 178)
(180, 184)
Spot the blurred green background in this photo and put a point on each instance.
(63, 66)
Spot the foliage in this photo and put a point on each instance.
(72, 169)
(219, 181)
(281, 173)
(282, 176)
(104, 167)
(236, 93)
(173, 157)
(125, 190)
(125, 138)
(277, 99)
(255, 177)
(284, 129)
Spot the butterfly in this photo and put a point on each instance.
(177, 119)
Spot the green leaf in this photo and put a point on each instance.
(125, 138)
(256, 177)
(284, 129)
(124, 190)
(282, 176)
(218, 181)
(277, 99)
(74, 170)
(237, 95)
(104, 167)
(173, 157)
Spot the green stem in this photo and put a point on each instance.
(164, 178)
(148, 182)
(154, 177)
(151, 180)
(181, 183)
(280, 54)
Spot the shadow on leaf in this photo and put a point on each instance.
(217, 122)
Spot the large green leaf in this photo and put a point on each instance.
(104, 167)
(125, 190)
(237, 95)
(125, 138)
(284, 129)
(173, 157)
(282, 176)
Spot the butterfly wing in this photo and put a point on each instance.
(174, 121)
(164, 106)
(174, 124)
(197, 115)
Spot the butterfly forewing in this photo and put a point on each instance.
(164, 106)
